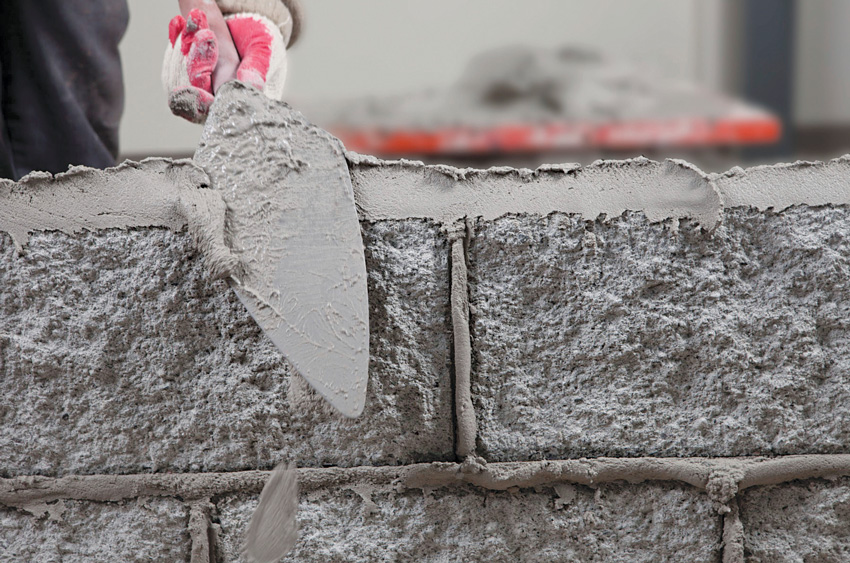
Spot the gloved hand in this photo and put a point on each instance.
(192, 55)
(187, 69)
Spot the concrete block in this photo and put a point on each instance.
(798, 521)
(138, 531)
(615, 523)
(118, 355)
(623, 338)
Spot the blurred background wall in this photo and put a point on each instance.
(393, 46)
(822, 85)
(384, 47)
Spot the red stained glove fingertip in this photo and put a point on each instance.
(202, 59)
(196, 24)
(175, 28)
(197, 20)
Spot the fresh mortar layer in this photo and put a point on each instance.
(722, 479)
(150, 193)
(672, 190)
(157, 192)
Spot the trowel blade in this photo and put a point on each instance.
(292, 222)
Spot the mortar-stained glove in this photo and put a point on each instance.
(190, 59)
(193, 53)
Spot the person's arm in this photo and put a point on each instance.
(228, 57)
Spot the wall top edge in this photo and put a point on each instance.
(146, 193)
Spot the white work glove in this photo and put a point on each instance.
(192, 54)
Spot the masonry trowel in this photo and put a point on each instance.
(293, 226)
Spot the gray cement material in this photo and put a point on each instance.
(721, 478)
(768, 508)
(119, 355)
(201, 532)
(672, 189)
(157, 192)
(568, 523)
(137, 531)
(796, 522)
(784, 185)
(622, 338)
(173, 194)
(465, 423)
(130, 195)
(293, 226)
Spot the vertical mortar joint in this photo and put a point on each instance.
(733, 534)
(459, 235)
(200, 531)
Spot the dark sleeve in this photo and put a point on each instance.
(62, 89)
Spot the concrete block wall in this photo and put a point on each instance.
(630, 361)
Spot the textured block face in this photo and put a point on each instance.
(799, 521)
(138, 531)
(409, 412)
(119, 355)
(623, 338)
(613, 524)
